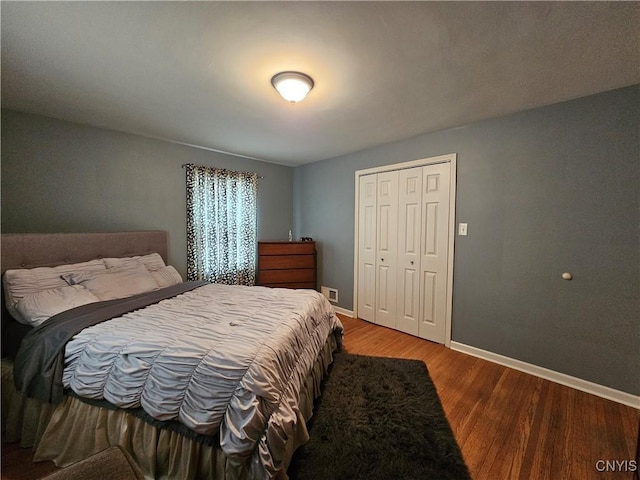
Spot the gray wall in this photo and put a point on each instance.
(544, 191)
(63, 177)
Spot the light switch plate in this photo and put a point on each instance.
(462, 229)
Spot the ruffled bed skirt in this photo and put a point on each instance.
(73, 430)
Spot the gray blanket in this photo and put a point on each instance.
(39, 363)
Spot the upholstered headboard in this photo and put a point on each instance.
(29, 250)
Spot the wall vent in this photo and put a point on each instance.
(330, 293)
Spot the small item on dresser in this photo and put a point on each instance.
(306, 239)
(290, 236)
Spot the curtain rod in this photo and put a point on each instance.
(185, 164)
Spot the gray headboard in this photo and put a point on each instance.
(29, 250)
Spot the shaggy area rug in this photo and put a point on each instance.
(378, 418)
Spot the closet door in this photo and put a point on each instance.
(409, 233)
(367, 247)
(387, 247)
(435, 245)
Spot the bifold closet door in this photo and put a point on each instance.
(434, 251)
(409, 232)
(387, 249)
(367, 253)
(403, 242)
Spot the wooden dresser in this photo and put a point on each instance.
(287, 264)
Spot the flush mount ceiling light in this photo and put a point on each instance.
(292, 86)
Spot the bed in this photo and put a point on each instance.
(193, 380)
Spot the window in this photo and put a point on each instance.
(221, 225)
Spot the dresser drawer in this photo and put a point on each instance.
(291, 275)
(287, 248)
(310, 285)
(277, 262)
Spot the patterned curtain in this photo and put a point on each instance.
(221, 225)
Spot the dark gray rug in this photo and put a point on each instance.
(379, 418)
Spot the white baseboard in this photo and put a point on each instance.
(343, 311)
(557, 377)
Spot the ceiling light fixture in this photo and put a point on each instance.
(292, 86)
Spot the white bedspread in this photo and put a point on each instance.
(221, 357)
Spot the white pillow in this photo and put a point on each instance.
(166, 276)
(23, 281)
(115, 283)
(37, 307)
(152, 262)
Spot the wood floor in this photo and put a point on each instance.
(509, 425)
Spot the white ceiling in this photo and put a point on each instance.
(199, 72)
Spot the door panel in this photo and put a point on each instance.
(387, 248)
(434, 255)
(367, 247)
(428, 296)
(409, 243)
(431, 229)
